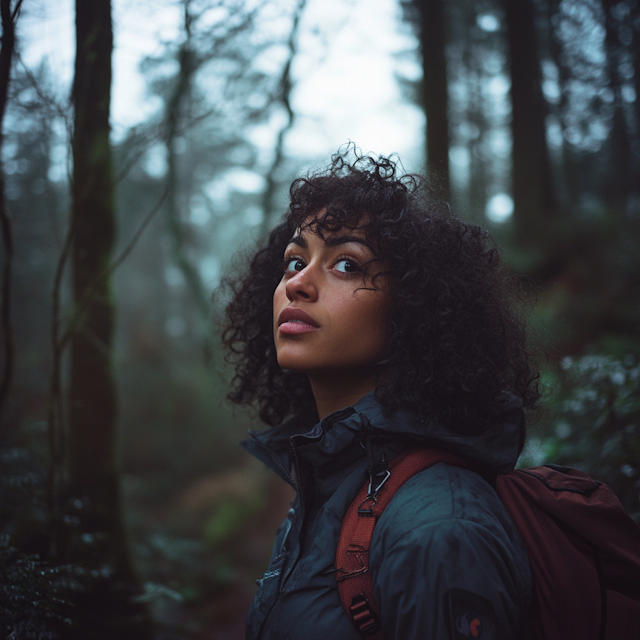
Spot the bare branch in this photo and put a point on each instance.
(285, 88)
(16, 11)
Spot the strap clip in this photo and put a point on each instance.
(372, 495)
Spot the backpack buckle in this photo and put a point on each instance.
(374, 493)
(363, 615)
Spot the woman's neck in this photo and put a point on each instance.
(333, 391)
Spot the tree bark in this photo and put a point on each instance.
(105, 609)
(532, 186)
(635, 44)
(435, 88)
(568, 196)
(635, 22)
(620, 170)
(9, 16)
(92, 398)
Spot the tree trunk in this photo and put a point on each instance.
(533, 193)
(635, 47)
(435, 89)
(568, 196)
(9, 16)
(620, 171)
(105, 609)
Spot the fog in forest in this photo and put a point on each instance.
(128, 509)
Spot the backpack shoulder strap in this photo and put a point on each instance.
(355, 585)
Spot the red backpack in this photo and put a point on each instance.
(583, 549)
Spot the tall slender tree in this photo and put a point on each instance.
(9, 14)
(635, 47)
(431, 23)
(568, 187)
(106, 609)
(533, 191)
(620, 175)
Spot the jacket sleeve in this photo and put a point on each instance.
(448, 565)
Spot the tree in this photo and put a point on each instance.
(435, 88)
(194, 129)
(428, 19)
(621, 173)
(533, 190)
(105, 609)
(9, 15)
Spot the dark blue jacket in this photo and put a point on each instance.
(446, 560)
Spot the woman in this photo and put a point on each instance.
(373, 321)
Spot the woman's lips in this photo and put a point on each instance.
(295, 321)
(295, 326)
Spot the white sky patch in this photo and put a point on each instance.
(628, 93)
(499, 208)
(488, 22)
(499, 86)
(499, 141)
(199, 213)
(460, 156)
(253, 216)
(140, 28)
(245, 181)
(218, 192)
(47, 32)
(155, 160)
(554, 135)
(345, 85)
(210, 270)
(345, 88)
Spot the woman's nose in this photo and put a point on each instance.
(302, 286)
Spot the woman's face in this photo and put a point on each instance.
(327, 315)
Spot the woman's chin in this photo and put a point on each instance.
(292, 362)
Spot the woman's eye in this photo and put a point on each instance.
(347, 266)
(293, 264)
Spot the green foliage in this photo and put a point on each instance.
(596, 425)
(230, 517)
(32, 594)
(18, 482)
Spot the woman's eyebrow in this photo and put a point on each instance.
(331, 241)
(334, 241)
(299, 240)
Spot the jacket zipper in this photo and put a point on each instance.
(283, 577)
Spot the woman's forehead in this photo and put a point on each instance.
(326, 222)
(332, 237)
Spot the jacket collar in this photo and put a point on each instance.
(335, 441)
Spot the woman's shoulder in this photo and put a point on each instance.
(445, 501)
(445, 541)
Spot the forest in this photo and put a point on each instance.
(127, 508)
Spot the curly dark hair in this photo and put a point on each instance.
(456, 341)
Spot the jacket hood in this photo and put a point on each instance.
(330, 441)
